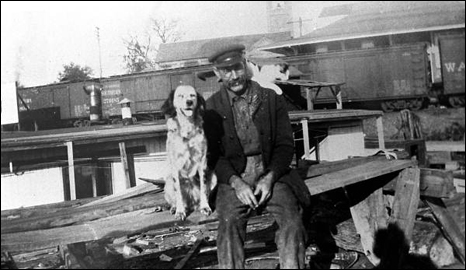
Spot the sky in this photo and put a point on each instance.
(38, 38)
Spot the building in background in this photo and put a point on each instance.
(279, 16)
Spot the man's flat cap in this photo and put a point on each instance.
(227, 55)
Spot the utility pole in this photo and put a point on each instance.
(300, 21)
(100, 54)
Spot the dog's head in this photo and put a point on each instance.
(184, 101)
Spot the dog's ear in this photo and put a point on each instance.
(167, 108)
(200, 104)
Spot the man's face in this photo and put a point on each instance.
(233, 77)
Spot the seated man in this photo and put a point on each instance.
(253, 168)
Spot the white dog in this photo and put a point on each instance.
(189, 183)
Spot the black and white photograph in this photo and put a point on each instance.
(233, 134)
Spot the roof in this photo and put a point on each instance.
(378, 18)
(197, 49)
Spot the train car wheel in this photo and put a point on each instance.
(415, 104)
(115, 121)
(456, 102)
(387, 106)
(86, 123)
(78, 123)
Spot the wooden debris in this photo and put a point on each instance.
(194, 249)
(448, 226)
(406, 201)
(433, 183)
(158, 182)
(128, 193)
(428, 241)
(355, 174)
(80, 215)
(114, 226)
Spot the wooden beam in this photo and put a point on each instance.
(450, 146)
(369, 215)
(158, 182)
(128, 165)
(115, 226)
(433, 183)
(131, 192)
(44, 209)
(355, 174)
(195, 248)
(306, 139)
(71, 175)
(380, 133)
(94, 176)
(308, 171)
(67, 216)
(406, 201)
(310, 99)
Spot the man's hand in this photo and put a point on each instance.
(264, 187)
(244, 192)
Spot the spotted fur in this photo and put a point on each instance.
(189, 183)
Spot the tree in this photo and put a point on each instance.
(75, 73)
(141, 51)
(166, 30)
(138, 57)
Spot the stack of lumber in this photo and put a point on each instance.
(140, 216)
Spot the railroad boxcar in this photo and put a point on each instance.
(391, 78)
(147, 91)
(452, 61)
(388, 78)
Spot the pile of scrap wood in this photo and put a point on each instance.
(134, 229)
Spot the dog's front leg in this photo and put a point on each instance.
(204, 200)
(180, 212)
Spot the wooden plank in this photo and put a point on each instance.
(71, 175)
(44, 209)
(33, 141)
(449, 146)
(68, 216)
(380, 134)
(308, 171)
(126, 165)
(115, 226)
(94, 176)
(406, 201)
(195, 248)
(131, 192)
(158, 182)
(433, 183)
(448, 226)
(369, 215)
(332, 115)
(355, 174)
(310, 99)
(304, 125)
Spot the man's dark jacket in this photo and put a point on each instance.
(274, 127)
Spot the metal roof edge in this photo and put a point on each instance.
(307, 41)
